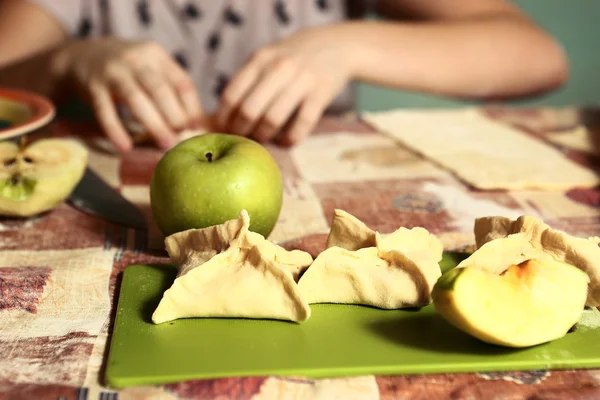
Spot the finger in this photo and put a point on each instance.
(108, 118)
(251, 108)
(282, 108)
(240, 85)
(306, 119)
(163, 95)
(186, 91)
(128, 90)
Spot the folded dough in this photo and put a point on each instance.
(362, 267)
(229, 271)
(348, 232)
(191, 248)
(236, 283)
(502, 242)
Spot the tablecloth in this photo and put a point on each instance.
(60, 271)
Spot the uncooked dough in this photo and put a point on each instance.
(229, 271)
(484, 153)
(391, 272)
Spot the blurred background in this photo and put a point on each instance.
(576, 24)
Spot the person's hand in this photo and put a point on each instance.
(285, 87)
(140, 76)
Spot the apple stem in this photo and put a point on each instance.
(209, 156)
(22, 144)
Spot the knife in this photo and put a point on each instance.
(95, 197)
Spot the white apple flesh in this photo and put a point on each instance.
(37, 177)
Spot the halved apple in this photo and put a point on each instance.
(534, 302)
(37, 177)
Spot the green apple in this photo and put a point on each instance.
(531, 303)
(208, 179)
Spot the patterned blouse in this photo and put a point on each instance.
(210, 38)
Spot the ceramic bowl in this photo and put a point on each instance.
(22, 112)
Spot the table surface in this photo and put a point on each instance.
(60, 272)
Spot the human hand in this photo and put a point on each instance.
(139, 75)
(285, 87)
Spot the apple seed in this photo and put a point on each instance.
(15, 179)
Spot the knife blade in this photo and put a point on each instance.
(95, 197)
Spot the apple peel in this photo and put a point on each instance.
(362, 267)
(540, 241)
(228, 271)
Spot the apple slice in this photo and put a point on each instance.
(539, 238)
(37, 177)
(531, 303)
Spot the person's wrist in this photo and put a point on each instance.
(355, 53)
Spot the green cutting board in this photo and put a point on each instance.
(337, 340)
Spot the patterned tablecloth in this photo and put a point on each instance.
(59, 272)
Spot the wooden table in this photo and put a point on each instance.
(59, 272)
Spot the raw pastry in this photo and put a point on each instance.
(394, 272)
(578, 138)
(229, 271)
(193, 247)
(236, 283)
(348, 232)
(527, 238)
(484, 153)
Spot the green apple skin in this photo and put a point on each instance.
(189, 191)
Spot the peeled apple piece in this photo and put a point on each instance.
(531, 303)
(542, 241)
(37, 177)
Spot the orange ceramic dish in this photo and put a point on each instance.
(22, 112)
